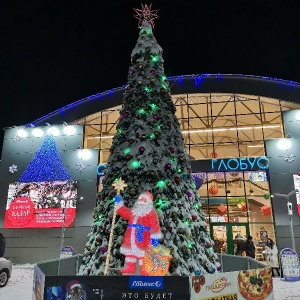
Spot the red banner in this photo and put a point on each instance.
(296, 178)
(22, 214)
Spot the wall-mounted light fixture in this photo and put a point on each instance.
(37, 132)
(284, 144)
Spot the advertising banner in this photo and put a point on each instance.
(116, 287)
(38, 284)
(296, 178)
(41, 204)
(67, 251)
(238, 285)
(290, 264)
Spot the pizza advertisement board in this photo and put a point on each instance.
(239, 285)
(290, 264)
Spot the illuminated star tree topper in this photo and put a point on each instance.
(146, 14)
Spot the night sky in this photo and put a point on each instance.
(54, 52)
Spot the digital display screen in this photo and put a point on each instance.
(41, 204)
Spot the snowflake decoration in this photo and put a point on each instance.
(13, 169)
(146, 14)
(80, 166)
(16, 138)
(289, 158)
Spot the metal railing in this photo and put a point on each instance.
(238, 263)
(70, 266)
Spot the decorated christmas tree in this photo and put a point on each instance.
(148, 153)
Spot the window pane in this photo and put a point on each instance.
(223, 108)
(246, 105)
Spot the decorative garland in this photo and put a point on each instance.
(237, 180)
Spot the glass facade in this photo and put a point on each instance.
(218, 126)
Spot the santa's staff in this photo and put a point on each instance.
(119, 186)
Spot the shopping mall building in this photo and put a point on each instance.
(241, 132)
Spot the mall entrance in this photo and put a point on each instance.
(225, 236)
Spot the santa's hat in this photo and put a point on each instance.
(73, 284)
(146, 195)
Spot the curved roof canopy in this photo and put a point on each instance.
(189, 84)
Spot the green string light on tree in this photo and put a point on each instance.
(127, 151)
(153, 106)
(135, 164)
(155, 58)
(141, 111)
(161, 183)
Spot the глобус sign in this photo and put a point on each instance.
(117, 287)
(231, 164)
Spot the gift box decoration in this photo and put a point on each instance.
(265, 210)
(156, 261)
(221, 210)
(242, 206)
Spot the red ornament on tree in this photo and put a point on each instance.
(131, 141)
(177, 179)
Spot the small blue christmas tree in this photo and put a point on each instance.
(46, 165)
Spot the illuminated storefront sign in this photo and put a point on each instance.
(240, 164)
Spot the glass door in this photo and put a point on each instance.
(238, 234)
(226, 236)
(218, 233)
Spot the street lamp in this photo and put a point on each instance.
(290, 213)
(63, 228)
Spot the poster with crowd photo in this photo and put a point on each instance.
(296, 178)
(41, 204)
(238, 285)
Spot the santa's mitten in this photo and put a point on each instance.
(118, 198)
(154, 242)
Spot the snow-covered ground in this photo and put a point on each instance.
(19, 286)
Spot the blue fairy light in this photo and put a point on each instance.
(46, 165)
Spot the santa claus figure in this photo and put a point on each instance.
(143, 230)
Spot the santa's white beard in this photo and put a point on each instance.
(141, 209)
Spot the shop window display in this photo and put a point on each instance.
(237, 204)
